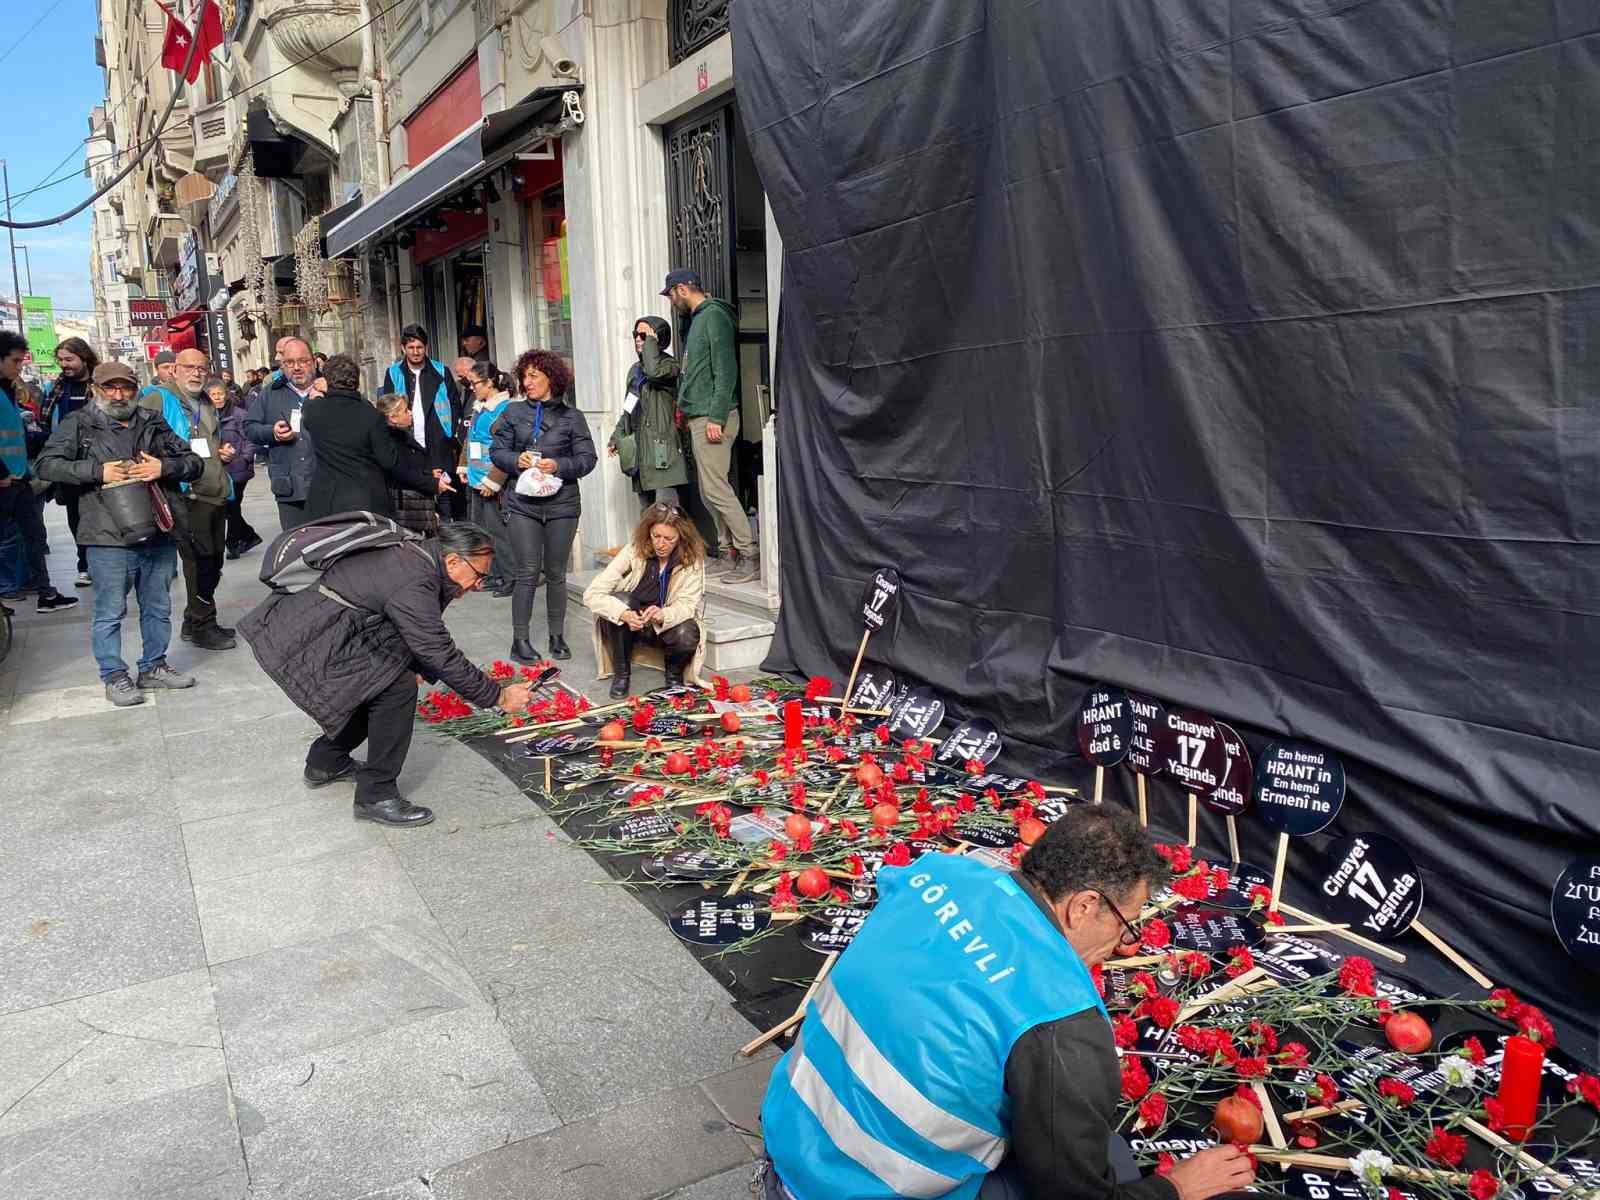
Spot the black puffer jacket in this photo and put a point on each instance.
(563, 436)
(88, 439)
(331, 657)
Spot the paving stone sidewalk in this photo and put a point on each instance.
(214, 983)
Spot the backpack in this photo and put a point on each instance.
(298, 557)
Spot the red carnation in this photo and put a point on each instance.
(1123, 1030)
(1163, 1010)
(1135, 1079)
(1326, 1090)
(1165, 1162)
(1191, 887)
(1536, 1026)
(1446, 1147)
(1588, 1088)
(1153, 1110)
(1098, 974)
(1403, 1094)
(1505, 1001)
(1494, 1114)
(897, 855)
(1295, 1054)
(1483, 1185)
(818, 686)
(1143, 984)
(1358, 977)
(1474, 1051)
(1240, 960)
(1156, 934)
(1194, 964)
(1251, 1068)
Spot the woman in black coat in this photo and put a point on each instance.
(357, 456)
(550, 436)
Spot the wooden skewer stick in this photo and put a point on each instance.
(1327, 1162)
(1274, 1130)
(1222, 993)
(783, 1027)
(1277, 871)
(1522, 1156)
(1373, 947)
(1139, 960)
(1099, 783)
(1194, 819)
(1322, 1110)
(1144, 811)
(1233, 838)
(865, 712)
(850, 686)
(1444, 948)
(546, 774)
(1057, 790)
(1310, 927)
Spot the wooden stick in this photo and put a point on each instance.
(1055, 790)
(546, 726)
(1322, 1110)
(850, 686)
(1310, 927)
(1144, 812)
(1327, 1162)
(546, 774)
(866, 712)
(1099, 783)
(1138, 960)
(1274, 1130)
(738, 881)
(1277, 871)
(1233, 838)
(1221, 993)
(1372, 946)
(1444, 948)
(1194, 819)
(789, 1023)
(1522, 1156)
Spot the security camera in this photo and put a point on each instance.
(560, 64)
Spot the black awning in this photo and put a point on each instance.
(473, 154)
(337, 214)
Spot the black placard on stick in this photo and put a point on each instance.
(971, 739)
(916, 714)
(1148, 717)
(1004, 785)
(1372, 883)
(1299, 787)
(875, 687)
(721, 920)
(996, 837)
(1292, 959)
(1105, 725)
(1210, 931)
(689, 864)
(880, 602)
(1233, 797)
(1189, 746)
(838, 928)
(558, 745)
(643, 827)
(1575, 909)
(1241, 878)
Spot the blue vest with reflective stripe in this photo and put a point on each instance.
(896, 1085)
(399, 381)
(482, 434)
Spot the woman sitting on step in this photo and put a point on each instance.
(652, 594)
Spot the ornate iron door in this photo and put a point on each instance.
(700, 197)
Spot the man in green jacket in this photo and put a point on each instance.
(708, 397)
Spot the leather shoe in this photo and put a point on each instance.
(211, 637)
(508, 588)
(316, 777)
(559, 647)
(522, 651)
(394, 810)
(620, 683)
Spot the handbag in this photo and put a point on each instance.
(627, 445)
(133, 512)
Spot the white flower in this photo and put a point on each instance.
(1370, 1167)
(1459, 1072)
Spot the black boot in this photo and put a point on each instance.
(559, 647)
(675, 666)
(522, 650)
(211, 636)
(619, 639)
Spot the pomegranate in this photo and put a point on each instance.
(885, 816)
(869, 775)
(1408, 1033)
(811, 883)
(739, 693)
(677, 763)
(796, 826)
(613, 731)
(1238, 1121)
(1031, 830)
(730, 722)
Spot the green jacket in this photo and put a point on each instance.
(709, 386)
(657, 445)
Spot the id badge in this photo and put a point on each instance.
(294, 420)
(476, 451)
(200, 446)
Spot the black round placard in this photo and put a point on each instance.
(834, 928)
(880, 600)
(1372, 883)
(1180, 1141)
(1148, 717)
(1211, 931)
(1291, 959)
(916, 714)
(997, 837)
(1298, 787)
(1005, 785)
(1189, 747)
(1233, 797)
(1575, 909)
(558, 745)
(875, 687)
(721, 920)
(971, 739)
(1105, 724)
(689, 864)
(642, 827)
(1241, 878)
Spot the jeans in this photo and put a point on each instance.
(18, 504)
(488, 515)
(713, 461)
(541, 546)
(240, 531)
(146, 571)
(384, 723)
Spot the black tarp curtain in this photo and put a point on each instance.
(1240, 352)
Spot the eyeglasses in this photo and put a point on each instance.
(478, 576)
(1132, 935)
(639, 337)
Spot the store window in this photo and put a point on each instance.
(550, 314)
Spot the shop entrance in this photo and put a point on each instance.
(455, 294)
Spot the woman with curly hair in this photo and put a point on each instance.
(544, 448)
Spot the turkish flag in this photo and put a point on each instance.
(175, 47)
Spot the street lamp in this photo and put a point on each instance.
(28, 261)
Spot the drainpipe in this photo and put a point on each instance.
(380, 109)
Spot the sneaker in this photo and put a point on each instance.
(51, 600)
(748, 570)
(121, 692)
(83, 580)
(162, 676)
(721, 564)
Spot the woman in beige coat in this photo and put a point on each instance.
(651, 596)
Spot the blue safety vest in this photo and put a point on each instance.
(482, 435)
(176, 414)
(896, 1084)
(398, 382)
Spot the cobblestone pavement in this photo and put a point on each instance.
(215, 983)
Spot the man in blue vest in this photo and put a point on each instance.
(959, 1047)
(435, 404)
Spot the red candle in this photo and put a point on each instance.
(1521, 1071)
(793, 726)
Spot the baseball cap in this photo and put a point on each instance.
(106, 372)
(166, 356)
(682, 275)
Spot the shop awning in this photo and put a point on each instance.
(475, 152)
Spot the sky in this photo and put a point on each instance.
(53, 82)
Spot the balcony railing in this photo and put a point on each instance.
(693, 23)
